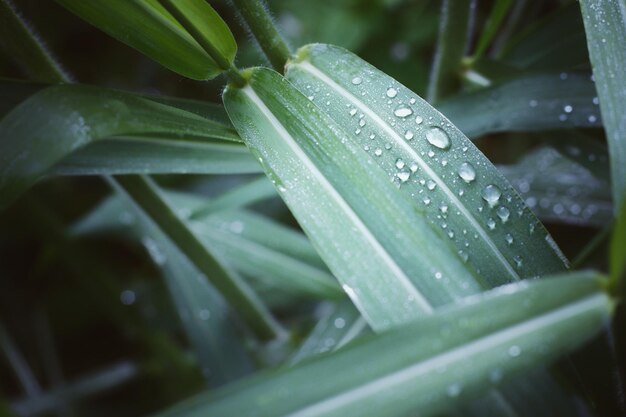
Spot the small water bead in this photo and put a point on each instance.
(358, 131)
(340, 323)
(454, 390)
(431, 154)
(431, 185)
(403, 112)
(451, 234)
(491, 194)
(392, 92)
(568, 109)
(444, 163)
(400, 163)
(438, 138)
(464, 256)
(515, 351)
(403, 176)
(352, 112)
(362, 122)
(443, 208)
(372, 136)
(413, 167)
(495, 375)
(491, 224)
(467, 172)
(408, 135)
(592, 118)
(532, 103)
(204, 314)
(412, 101)
(562, 117)
(357, 80)
(518, 261)
(426, 200)
(508, 238)
(503, 213)
(438, 275)
(419, 120)
(378, 152)
(595, 101)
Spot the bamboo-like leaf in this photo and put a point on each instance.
(205, 316)
(560, 190)
(421, 367)
(528, 103)
(451, 43)
(60, 120)
(605, 26)
(148, 27)
(389, 260)
(431, 162)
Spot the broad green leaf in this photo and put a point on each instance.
(382, 250)
(430, 365)
(148, 27)
(605, 26)
(340, 323)
(60, 120)
(206, 318)
(148, 196)
(556, 42)
(559, 190)
(451, 44)
(453, 186)
(528, 103)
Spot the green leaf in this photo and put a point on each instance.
(605, 26)
(453, 186)
(147, 195)
(617, 262)
(138, 133)
(148, 27)
(491, 27)
(420, 367)
(526, 103)
(205, 316)
(374, 241)
(451, 44)
(559, 190)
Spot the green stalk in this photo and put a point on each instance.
(260, 23)
(232, 72)
(145, 193)
(20, 41)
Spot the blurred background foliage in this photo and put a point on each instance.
(87, 327)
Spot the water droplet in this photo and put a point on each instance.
(392, 92)
(508, 238)
(495, 375)
(431, 154)
(127, 297)
(362, 122)
(419, 120)
(340, 323)
(399, 163)
(464, 256)
(503, 213)
(443, 208)
(514, 351)
(532, 103)
(438, 138)
(454, 390)
(408, 135)
(568, 109)
(357, 80)
(467, 172)
(491, 224)
(204, 314)
(438, 275)
(431, 185)
(412, 101)
(595, 101)
(352, 112)
(491, 194)
(403, 176)
(378, 152)
(426, 200)
(403, 112)
(413, 167)
(592, 118)
(518, 261)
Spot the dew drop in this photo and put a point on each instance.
(362, 122)
(426, 200)
(378, 152)
(403, 176)
(592, 118)
(491, 194)
(352, 112)
(514, 351)
(503, 213)
(464, 256)
(495, 375)
(532, 103)
(467, 172)
(340, 323)
(392, 92)
(400, 163)
(508, 238)
(413, 167)
(568, 109)
(491, 224)
(408, 135)
(438, 138)
(431, 154)
(518, 261)
(438, 275)
(403, 112)
(443, 208)
(454, 390)
(412, 101)
(431, 185)
(419, 120)
(357, 80)
(204, 314)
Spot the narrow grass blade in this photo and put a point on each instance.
(429, 365)
(451, 44)
(617, 262)
(374, 241)
(59, 120)
(605, 26)
(456, 189)
(527, 103)
(148, 197)
(491, 27)
(559, 190)
(148, 27)
(205, 316)
(556, 42)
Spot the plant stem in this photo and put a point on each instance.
(231, 71)
(145, 193)
(21, 42)
(260, 23)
